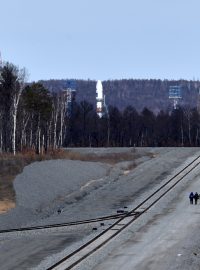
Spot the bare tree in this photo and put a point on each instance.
(188, 115)
(17, 91)
(55, 113)
(62, 107)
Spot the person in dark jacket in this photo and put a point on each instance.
(191, 197)
(196, 197)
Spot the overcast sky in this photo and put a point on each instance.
(102, 39)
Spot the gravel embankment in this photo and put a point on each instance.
(42, 188)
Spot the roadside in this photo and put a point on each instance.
(168, 240)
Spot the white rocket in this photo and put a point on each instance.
(99, 98)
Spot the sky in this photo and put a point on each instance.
(102, 39)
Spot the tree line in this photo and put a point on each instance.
(32, 117)
(180, 127)
(152, 93)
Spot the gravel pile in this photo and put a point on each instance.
(43, 186)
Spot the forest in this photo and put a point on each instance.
(33, 117)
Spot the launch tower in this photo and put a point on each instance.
(70, 95)
(175, 95)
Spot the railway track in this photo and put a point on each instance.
(66, 224)
(76, 257)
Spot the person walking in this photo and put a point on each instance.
(191, 197)
(196, 197)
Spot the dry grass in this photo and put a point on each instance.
(6, 205)
(110, 158)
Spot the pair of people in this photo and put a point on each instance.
(194, 197)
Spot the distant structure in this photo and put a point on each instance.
(70, 96)
(101, 107)
(175, 95)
